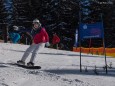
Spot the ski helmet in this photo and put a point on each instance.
(36, 21)
(16, 28)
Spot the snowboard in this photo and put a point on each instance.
(25, 66)
(29, 67)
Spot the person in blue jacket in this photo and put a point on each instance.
(14, 35)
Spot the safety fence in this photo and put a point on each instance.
(96, 51)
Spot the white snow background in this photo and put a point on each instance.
(59, 68)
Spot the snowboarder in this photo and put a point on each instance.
(40, 38)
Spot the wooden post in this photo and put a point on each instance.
(5, 32)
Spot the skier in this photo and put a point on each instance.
(40, 38)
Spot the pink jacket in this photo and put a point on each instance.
(41, 37)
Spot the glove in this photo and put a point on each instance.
(47, 44)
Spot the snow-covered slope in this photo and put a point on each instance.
(59, 68)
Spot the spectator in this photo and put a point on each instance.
(55, 41)
(14, 35)
(26, 38)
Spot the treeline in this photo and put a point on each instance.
(60, 16)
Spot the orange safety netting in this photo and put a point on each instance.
(97, 51)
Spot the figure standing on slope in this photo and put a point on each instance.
(14, 34)
(40, 38)
(55, 41)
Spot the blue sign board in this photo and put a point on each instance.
(94, 30)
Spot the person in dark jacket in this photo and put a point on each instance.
(26, 38)
(40, 38)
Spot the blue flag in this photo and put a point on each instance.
(94, 30)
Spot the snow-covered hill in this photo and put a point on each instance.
(59, 68)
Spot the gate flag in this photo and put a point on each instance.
(94, 30)
(76, 38)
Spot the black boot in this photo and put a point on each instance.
(20, 62)
(30, 64)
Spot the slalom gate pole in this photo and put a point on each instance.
(104, 45)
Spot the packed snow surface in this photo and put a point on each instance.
(59, 68)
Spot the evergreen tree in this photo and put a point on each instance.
(22, 12)
(3, 13)
(62, 17)
(9, 10)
